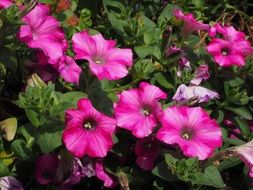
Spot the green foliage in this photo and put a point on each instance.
(188, 170)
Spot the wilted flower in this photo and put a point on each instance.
(147, 150)
(190, 23)
(43, 31)
(192, 129)
(105, 60)
(95, 167)
(74, 174)
(108, 179)
(41, 67)
(245, 152)
(46, 168)
(138, 110)
(202, 94)
(174, 51)
(88, 131)
(9, 127)
(5, 3)
(10, 183)
(200, 74)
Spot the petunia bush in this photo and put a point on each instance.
(117, 94)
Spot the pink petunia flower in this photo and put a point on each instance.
(46, 168)
(42, 31)
(245, 152)
(69, 70)
(138, 110)
(192, 129)
(147, 150)
(88, 131)
(190, 23)
(228, 33)
(5, 4)
(231, 48)
(202, 94)
(226, 53)
(105, 60)
(200, 74)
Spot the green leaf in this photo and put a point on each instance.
(170, 160)
(72, 97)
(99, 98)
(161, 170)
(143, 68)
(47, 1)
(144, 51)
(243, 125)
(49, 138)
(236, 82)
(211, 177)
(152, 36)
(20, 149)
(228, 163)
(166, 14)
(163, 81)
(4, 171)
(241, 111)
(33, 117)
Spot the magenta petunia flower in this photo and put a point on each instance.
(88, 131)
(105, 60)
(231, 49)
(190, 24)
(245, 152)
(228, 33)
(5, 3)
(202, 94)
(69, 70)
(200, 74)
(42, 31)
(10, 183)
(46, 168)
(226, 53)
(192, 129)
(147, 150)
(138, 110)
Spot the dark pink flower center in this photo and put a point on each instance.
(99, 59)
(146, 110)
(187, 133)
(89, 124)
(225, 51)
(49, 175)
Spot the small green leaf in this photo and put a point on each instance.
(228, 163)
(211, 177)
(161, 170)
(163, 81)
(241, 111)
(20, 149)
(33, 117)
(49, 138)
(243, 125)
